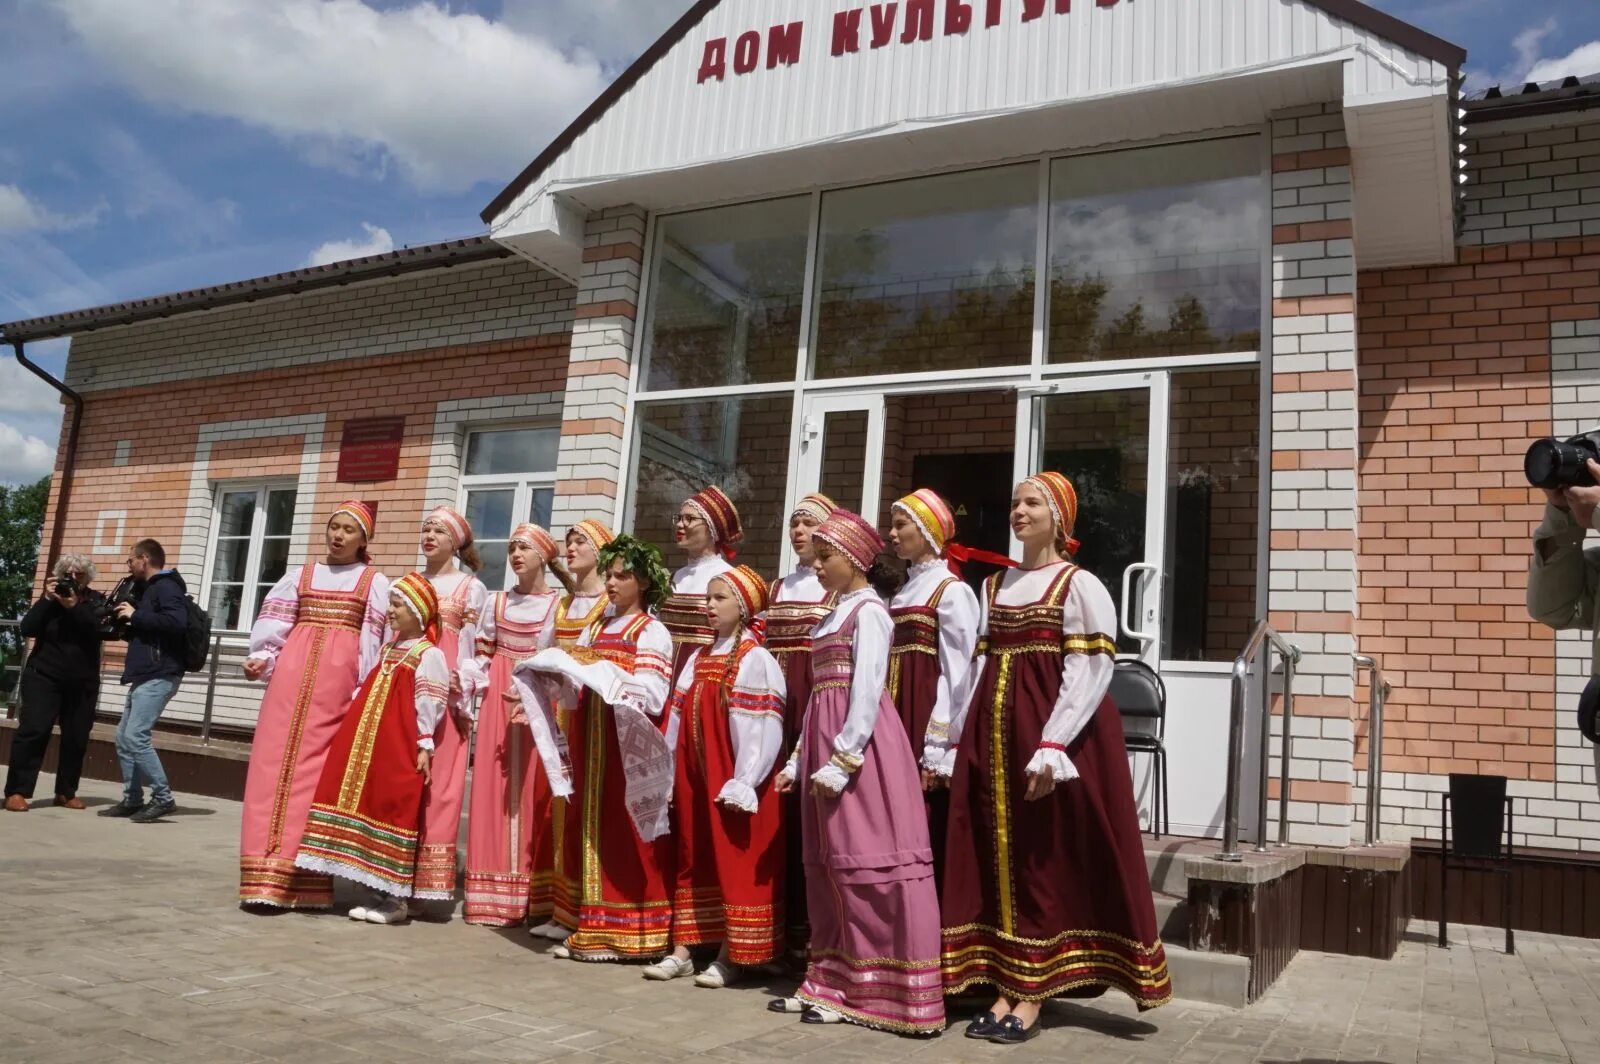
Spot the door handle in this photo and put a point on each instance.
(1128, 629)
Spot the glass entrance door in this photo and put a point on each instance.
(1108, 436)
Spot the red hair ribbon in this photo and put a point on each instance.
(956, 555)
(1072, 546)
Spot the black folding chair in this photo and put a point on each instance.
(1141, 699)
(1476, 833)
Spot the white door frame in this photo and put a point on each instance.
(1149, 575)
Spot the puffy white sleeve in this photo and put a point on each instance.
(275, 620)
(755, 724)
(467, 648)
(1088, 617)
(651, 683)
(374, 627)
(960, 617)
(868, 682)
(432, 694)
(475, 669)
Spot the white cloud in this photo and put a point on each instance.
(23, 393)
(23, 458)
(1582, 60)
(449, 98)
(19, 213)
(614, 31)
(376, 242)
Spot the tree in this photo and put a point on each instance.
(21, 523)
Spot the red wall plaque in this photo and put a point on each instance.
(370, 449)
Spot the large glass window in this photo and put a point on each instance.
(254, 524)
(508, 477)
(739, 444)
(930, 274)
(1157, 252)
(725, 295)
(1213, 507)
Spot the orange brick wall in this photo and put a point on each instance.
(162, 425)
(1455, 383)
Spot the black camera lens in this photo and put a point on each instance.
(1552, 463)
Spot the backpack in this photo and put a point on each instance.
(196, 636)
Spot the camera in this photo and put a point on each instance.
(1552, 463)
(66, 586)
(105, 606)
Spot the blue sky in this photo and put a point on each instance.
(148, 146)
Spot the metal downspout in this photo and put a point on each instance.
(69, 460)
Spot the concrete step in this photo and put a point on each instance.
(1172, 918)
(1164, 859)
(1214, 978)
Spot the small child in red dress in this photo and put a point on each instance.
(364, 819)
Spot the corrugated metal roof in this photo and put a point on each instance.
(1500, 102)
(351, 271)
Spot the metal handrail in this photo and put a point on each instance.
(1264, 636)
(1378, 695)
(219, 674)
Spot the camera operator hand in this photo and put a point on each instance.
(1580, 502)
(67, 601)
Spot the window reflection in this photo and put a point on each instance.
(1157, 251)
(934, 273)
(739, 444)
(726, 295)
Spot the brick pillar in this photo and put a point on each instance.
(1311, 556)
(591, 463)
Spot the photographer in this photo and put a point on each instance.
(60, 683)
(156, 632)
(1564, 577)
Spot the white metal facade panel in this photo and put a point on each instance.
(670, 120)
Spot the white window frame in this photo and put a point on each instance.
(522, 484)
(258, 534)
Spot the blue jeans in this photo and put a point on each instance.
(135, 751)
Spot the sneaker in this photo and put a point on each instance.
(390, 911)
(562, 952)
(716, 976)
(121, 809)
(669, 967)
(154, 811)
(551, 930)
(358, 912)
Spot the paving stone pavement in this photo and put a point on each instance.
(123, 942)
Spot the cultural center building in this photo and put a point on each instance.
(1284, 305)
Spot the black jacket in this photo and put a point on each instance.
(157, 631)
(66, 643)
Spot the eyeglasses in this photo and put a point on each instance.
(686, 520)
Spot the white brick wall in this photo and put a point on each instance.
(500, 300)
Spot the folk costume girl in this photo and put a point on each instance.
(364, 819)
(619, 746)
(447, 537)
(935, 631)
(317, 635)
(797, 605)
(729, 829)
(510, 860)
(1045, 887)
(587, 601)
(707, 530)
(869, 869)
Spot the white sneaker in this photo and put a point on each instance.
(668, 967)
(390, 911)
(551, 930)
(358, 912)
(716, 976)
(562, 952)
